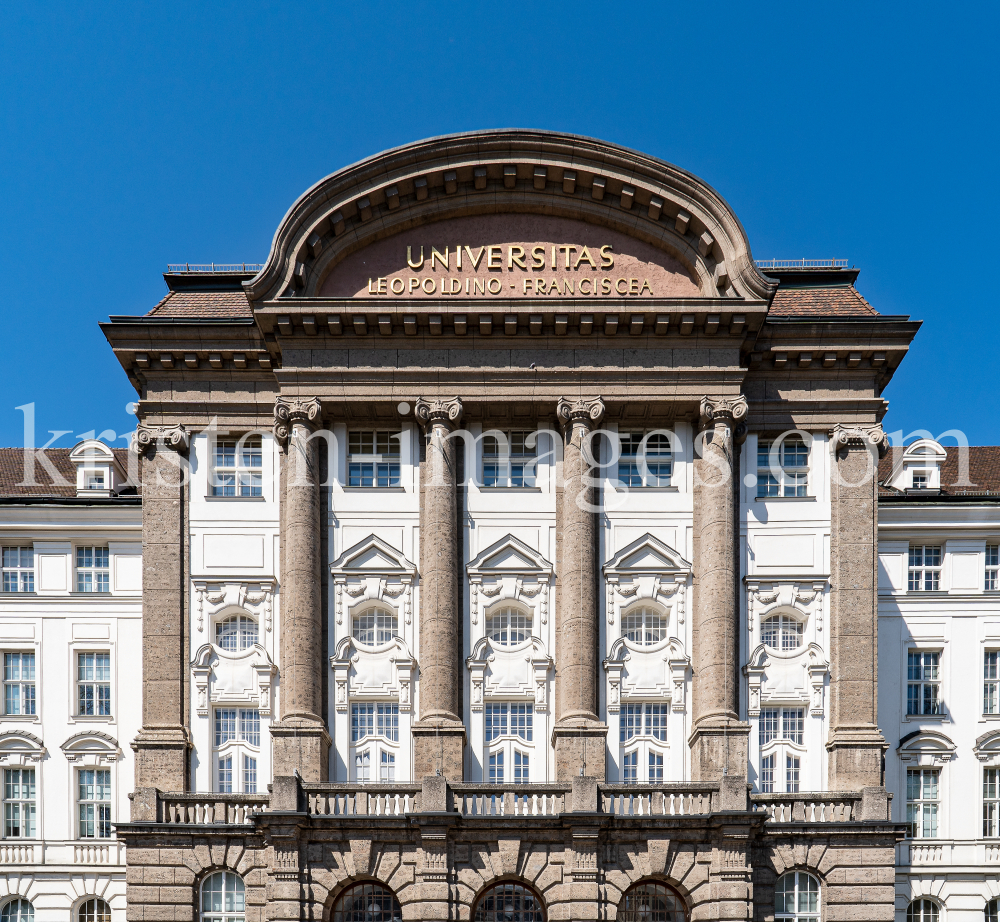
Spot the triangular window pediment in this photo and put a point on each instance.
(509, 555)
(647, 555)
(372, 555)
(508, 559)
(646, 558)
(372, 559)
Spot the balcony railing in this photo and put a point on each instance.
(105, 852)
(362, 799)
(202, 268)
(209, 809)
(824, 807)
(801, 263)
(510, 799)
(657, 800)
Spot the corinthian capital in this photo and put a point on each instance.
(867, 437)
(175, 438)
(729, 410)
(291, 410)
(586, 412)
(437, 412)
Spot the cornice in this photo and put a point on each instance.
(507, 171)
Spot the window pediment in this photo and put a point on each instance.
(509, 556)
(91, 746)
(926, 747)
(646, 555)
(372, 555)
(18, 748)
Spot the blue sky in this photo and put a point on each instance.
(133, 135)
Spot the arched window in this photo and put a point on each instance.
(508, 626)
(236, 633)
(781, 632)
(648, 901)
(509, 902)
(93, 911)
(17, 911)
(644, 625)
(992, 911)
(923, 911)
(796, 897)
(223, 898)
(367, 902)
(375, 626)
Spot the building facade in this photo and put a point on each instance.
(71, 642)
(939, 633)
(510, 550)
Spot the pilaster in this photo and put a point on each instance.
(300, 738)
(719, 741)
(439, 734)
(161, 748)
(855, 744)
(579, 736)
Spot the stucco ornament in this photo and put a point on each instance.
(175, 438)
(289, 411)
(438, 412)
(583, 412)
(869, 437)
(722, 409)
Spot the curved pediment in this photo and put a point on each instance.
(928, 741)
(21, 741)
(483, 650)
(511, 556)
(372, 555)
(91, 743)
(673, 230)
(646, 555)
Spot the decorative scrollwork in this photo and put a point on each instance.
(586, 412)
(438, 412)
(176, 438)
(291, 410)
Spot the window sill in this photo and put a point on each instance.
(84, 719)
(622, 488)
(16, 595)
(784, 499)
(917, 718)
(77, 593)
(239, 499)
(21, 718)
(989, 718)
(485, 489)
(374, 489)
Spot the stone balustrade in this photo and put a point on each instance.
(52, 853)
(362, 799)
(510, 799)
(658, 800)
(822, 807)
(209, 809)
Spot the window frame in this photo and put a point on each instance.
(918, 576)
(238, 616)
(935, 813)
(79, 683)
(798, 914)
(991, 578)
(923, 903)
(784, 617)
(340, 912)
(375, 609)
(222, 915)
(509, 466)
(645, 912)
(647, 628)
(236, 750)
(24, 575)
(991, 802)
(512, 741)
(21, 916)
(645, 746)
(21, 683)
(922, 684)
(24, 802)
(481, 914)
(99, 574)
(80, 802)
(392, 461)
(239, 470)
(788, 751)
(991, 682)
(505, 610)
(378, 747)
(793, 477)
(635, 455)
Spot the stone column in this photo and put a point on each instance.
(161, 748)
(855, 744)
(718, 739)
(300, 739)
(579, 736)
(439, 734)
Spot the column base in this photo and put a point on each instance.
(580, 750)
(299, 743)
(438, 748)
(855, 760)
(719, 749)
(161, 759)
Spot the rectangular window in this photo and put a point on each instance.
(922, 803)
(991, 803)
(521, 766)
(238, 467)
(249, 775)
(655, 768)
(638, 719)
(792, 764)
(496, 767)
(93, 684)
(767, 774)
(630, 768)
(387, 768)
(991, 682)
(992, 567)
(782, 724)
(509, 459)
(363, 767)
(925, 568)
(19, 684)
(237, 725)
(18, 565)
(19, 803)
(371, 719)
(92, 569)
(923, 683)
(649, 465)
(787, 472)
(373, 459)
(94, 801)
(519, 717)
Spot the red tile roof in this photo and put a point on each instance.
(833, 301)
(981, 477)
(203, 304)
(15, 472)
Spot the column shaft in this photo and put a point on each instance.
(579, 735)
(718, 740)
(300, 738)
(439, 735)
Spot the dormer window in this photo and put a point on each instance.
(920, 480)
(95, 480)
(98, 472)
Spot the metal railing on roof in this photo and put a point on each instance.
(801, 263)
(228, 268)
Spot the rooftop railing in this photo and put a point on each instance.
(801, 263)
(219, 268)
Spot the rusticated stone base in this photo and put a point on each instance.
(855, 759)
(303, 746)
(580, 750)
(719, 750)
(439, 749)
(161, 759)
